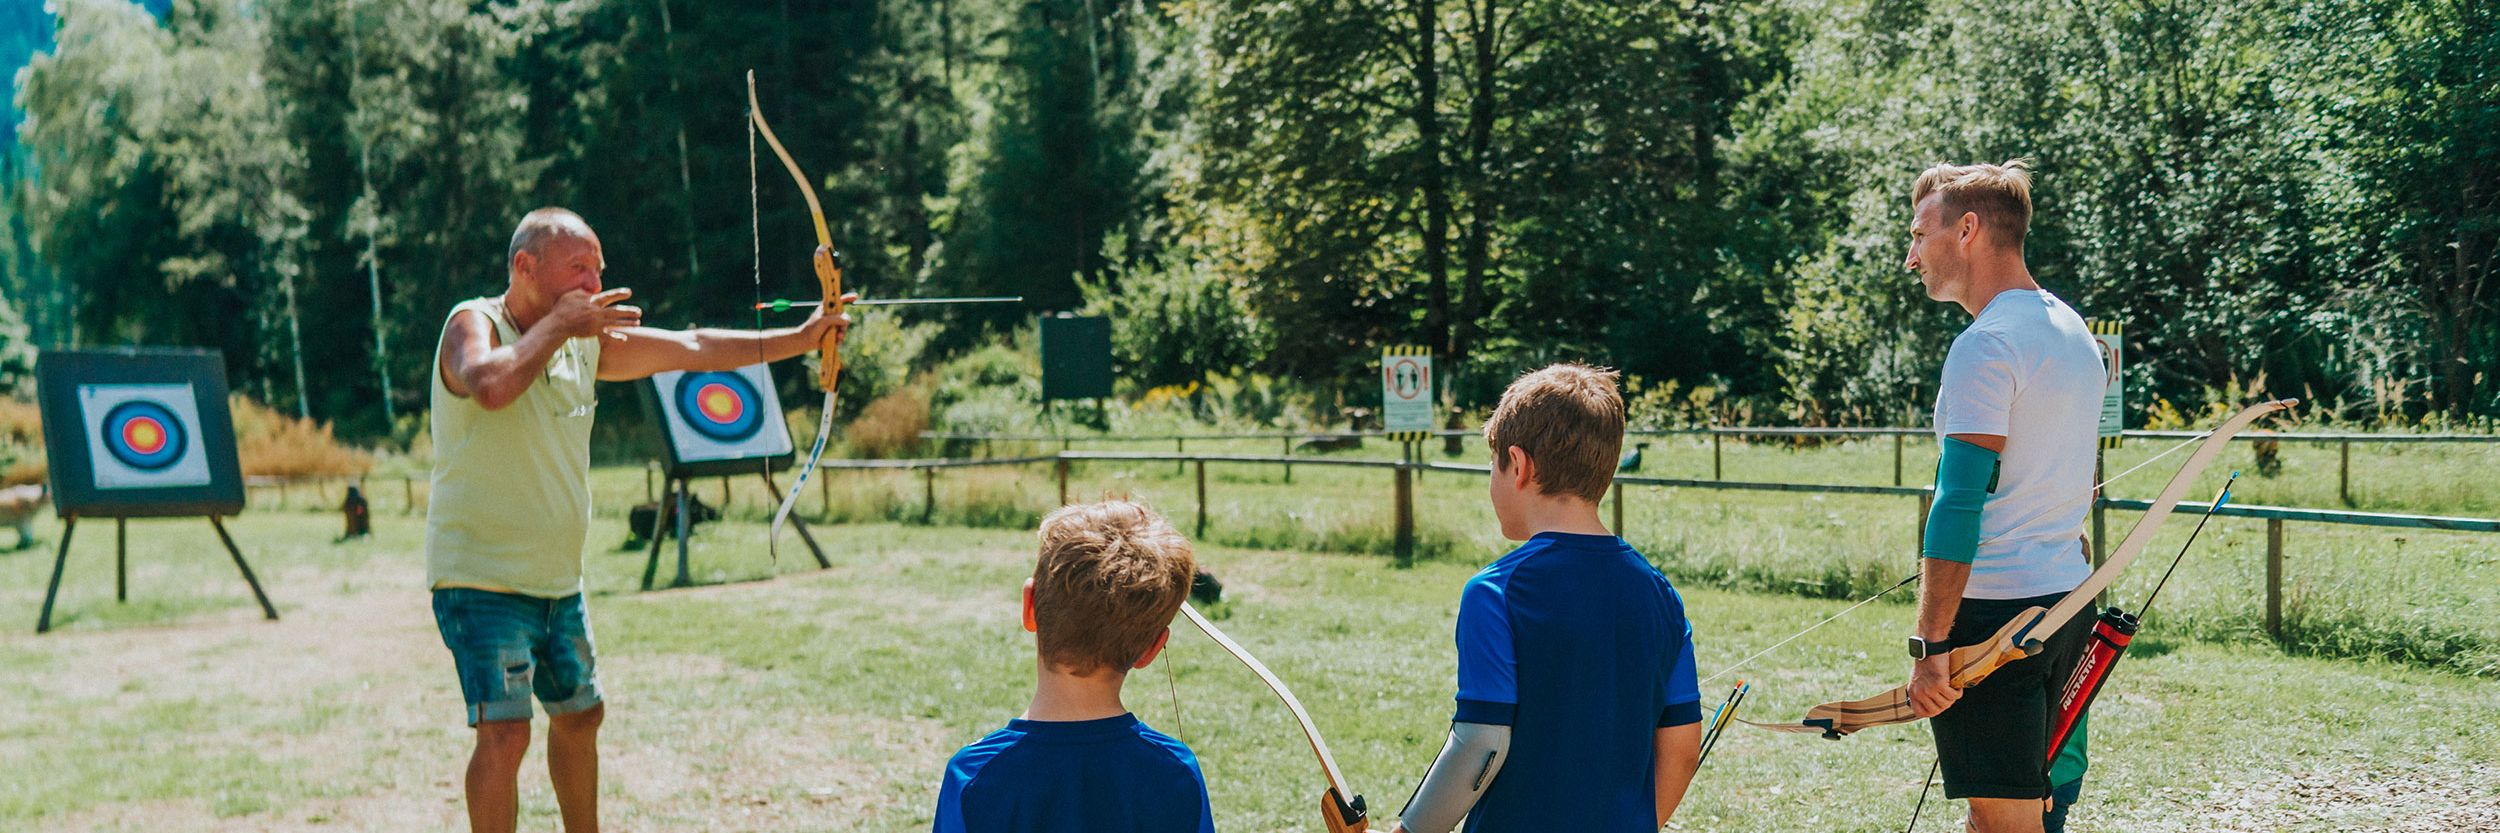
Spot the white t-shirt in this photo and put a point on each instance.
(2028, 370)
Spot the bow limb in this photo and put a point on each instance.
(1338, 812)
(829, 280)
(2028, 632)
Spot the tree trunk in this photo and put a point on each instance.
(1482, 210)
(1434, 183)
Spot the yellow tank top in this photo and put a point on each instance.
(510, 505)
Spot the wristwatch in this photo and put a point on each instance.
(1922, 649)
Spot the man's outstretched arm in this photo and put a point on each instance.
(645, 350)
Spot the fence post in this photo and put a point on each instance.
(1202, 501)
(1618, 510)
(1716, 469)
(1288, 453)
(1179, 446)
(2274, 577)
(1406, 517)
(928, 493)
(1896, 459)
(408, 490)
(2343, 479)
(1063, 481)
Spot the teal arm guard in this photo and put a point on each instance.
(1965, 475)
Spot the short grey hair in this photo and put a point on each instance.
(542, 225)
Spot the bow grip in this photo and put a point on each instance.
(829, 279)
(1341, 815)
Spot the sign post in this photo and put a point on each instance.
(2112, 342)
(1406, 392)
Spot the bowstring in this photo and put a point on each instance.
(2096, 488)
(1809, 629)
(755, 232)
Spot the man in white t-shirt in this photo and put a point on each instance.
(2016, 416)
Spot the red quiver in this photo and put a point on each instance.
(2110, 636)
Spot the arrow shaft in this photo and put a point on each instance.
(896, 302)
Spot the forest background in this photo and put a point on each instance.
(2299, 196)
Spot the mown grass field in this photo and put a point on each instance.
(829, 699)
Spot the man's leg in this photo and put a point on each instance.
(573, 764)
(2005, 815)
(494, 772)
(489, 635)
(570, 690)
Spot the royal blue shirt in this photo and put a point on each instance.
(1581, 647)
(1113, 775)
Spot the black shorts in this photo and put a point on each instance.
(1994, 742)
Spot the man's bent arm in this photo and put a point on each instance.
(1941, 580)
(473, 366)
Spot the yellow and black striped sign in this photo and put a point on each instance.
(1406, 392)
(2111, 339)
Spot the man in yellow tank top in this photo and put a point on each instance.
(511, 416)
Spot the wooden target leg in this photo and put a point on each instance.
(683, 490)
(121, 560)
(772, 488)
(659, 521)
(266, 608)
(69, 524)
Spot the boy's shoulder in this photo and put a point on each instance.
(1550, 554)
(1051, 741)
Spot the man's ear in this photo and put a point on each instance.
(1966, 229)
(1522, 468)
(1030, 624)
(1161, 640)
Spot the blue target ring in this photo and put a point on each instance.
(720, 405)
(144, 435)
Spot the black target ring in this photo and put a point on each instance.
(720, 405)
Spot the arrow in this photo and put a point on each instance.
(786, 305)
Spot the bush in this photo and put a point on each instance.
(890, 426)
(276, 445)
(21, 443)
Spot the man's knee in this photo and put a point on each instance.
(2005, 815)
(584, 721)
(503, 742)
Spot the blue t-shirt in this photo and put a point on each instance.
(1113, 775)
(1581, 647)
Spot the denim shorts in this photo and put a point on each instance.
(508, 647)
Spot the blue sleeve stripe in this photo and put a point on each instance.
(1680, 714)
(1493, 714)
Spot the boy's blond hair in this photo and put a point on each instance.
(1569, 419)
(1999, 194)
(1110, 578)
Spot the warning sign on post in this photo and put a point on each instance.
(1406, 392)
(2113, 385)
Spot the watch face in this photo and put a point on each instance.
(1918, 648)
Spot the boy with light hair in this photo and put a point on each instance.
(1100, 602)
(1577, 706)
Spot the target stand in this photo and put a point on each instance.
(715, 423)
(138, 433)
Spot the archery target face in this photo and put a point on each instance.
(719, 415)
(143, 436)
